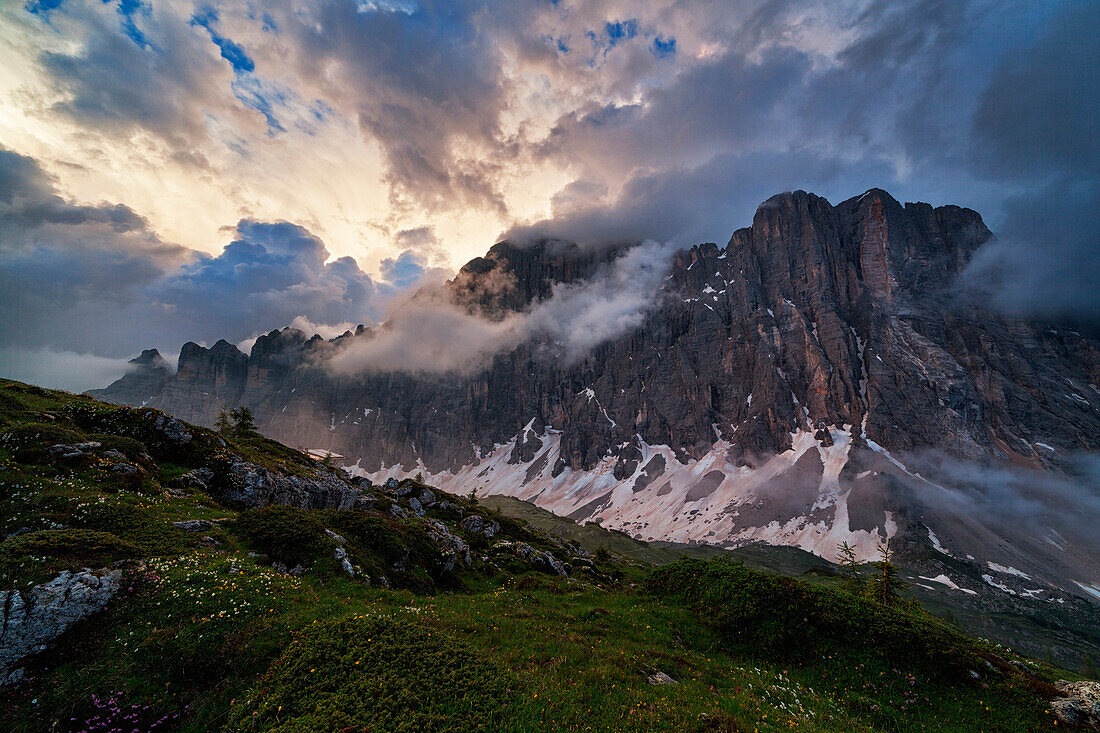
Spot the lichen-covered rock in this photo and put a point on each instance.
(32, 619)
(1081, 705)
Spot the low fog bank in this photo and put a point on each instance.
(429, 333)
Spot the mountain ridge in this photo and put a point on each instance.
(801, 385)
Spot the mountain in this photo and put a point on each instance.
(816, 381)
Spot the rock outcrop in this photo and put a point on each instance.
(32, 619)
(1080, 706)
(250, 485)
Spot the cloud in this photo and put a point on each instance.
(1047, 516)
(66, 370)
(431, 334)
(90, 281)
(1038, 124)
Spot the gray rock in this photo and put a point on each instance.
(417, 509)
(539, 559)
(454, 548)
(660, 678)
(341, 556)
(126, 469)
(174, 431)
(426, 498)
(1081, 705)
(199, 479)
(476, 524)
(335, 537)
(32, 619)
(398, 511)
(193, 525)
(256, 486)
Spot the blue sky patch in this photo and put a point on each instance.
(42, 7)
(231, 51)
(664, 47)
(620, 30)
(128, 9)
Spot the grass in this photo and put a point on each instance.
(212, 637)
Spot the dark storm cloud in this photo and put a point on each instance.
(988, 104)
(93, 278)
(686, 206)
(1038, 126)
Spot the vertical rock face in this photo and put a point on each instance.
(145, 379)
(820, 329)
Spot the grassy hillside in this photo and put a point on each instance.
(211, 631)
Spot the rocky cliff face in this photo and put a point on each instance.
(783, 388)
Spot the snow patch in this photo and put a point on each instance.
(944, 580)
(1000, 586)
(1007, 570)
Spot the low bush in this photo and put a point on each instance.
(378, 674)
(150, 533)
(782, 618)
(291, 536)
(29, 442)
(35, 556)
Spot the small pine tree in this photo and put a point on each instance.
(243, 421)
(223, 424)
(849, 568)
(419, 478)
(602, 555)
(472, 496)
(886, 584)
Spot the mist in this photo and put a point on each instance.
(429, 333)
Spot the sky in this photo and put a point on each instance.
(174, 170)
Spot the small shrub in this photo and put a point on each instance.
(289, 535)
(37, 555)
(150, 533)
(379, 674)
(779, 617)
(29, 442)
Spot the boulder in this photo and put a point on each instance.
(199, 479)
(476, 524)
(454, 548)
(31, 620)
(1081, 705)
(540, 560)
(660, 678)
